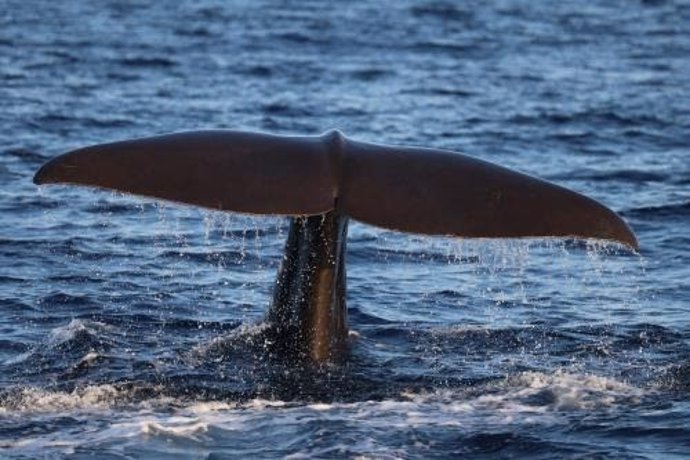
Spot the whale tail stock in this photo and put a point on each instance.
(322, 181)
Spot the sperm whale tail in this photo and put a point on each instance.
(402, 188)
(321, 182)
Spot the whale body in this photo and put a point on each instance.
(321, 182)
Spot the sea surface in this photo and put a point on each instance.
(126, 324)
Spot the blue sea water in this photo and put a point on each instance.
(126, 324)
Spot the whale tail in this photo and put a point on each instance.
(321, 182)
(402, 188)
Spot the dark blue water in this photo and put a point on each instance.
(128, 328)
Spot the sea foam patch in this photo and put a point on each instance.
(123, 422)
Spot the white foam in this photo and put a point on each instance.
(175, 427)
(529, 398)
(89, 398)
(527, 391)
(39, 400)
(571, 391)
(62, 334)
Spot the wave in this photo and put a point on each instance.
(565, 391)
(390, 256)
(526, 392)
(64, 299)
(590, 118)
(86, 398)
(67, 351)
(452, 47)
(143, 61)
(359, 317)
(195, 31)
(102, 207)
(24, 154)
(634, 176)
(258, 70)
(82, 335)
(286, 110)
(371, 74)
(60, 120)
(582, 341)
(442, 10)
(503, 418)
(301, 38)
(448, 91)
(666, 211)
(169, 324)
(220, 258)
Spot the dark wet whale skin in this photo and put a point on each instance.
(308, 315)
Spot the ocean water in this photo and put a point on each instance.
(126, 325)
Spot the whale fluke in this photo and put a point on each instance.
(402, 188)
